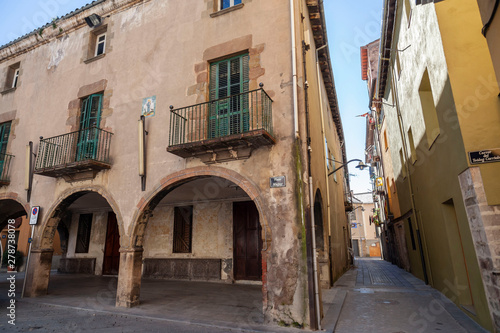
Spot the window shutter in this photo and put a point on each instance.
(183, 218)
(212, 111)
(83, 235)
(4, 137)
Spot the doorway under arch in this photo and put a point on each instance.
(223, 233)
(86, 223)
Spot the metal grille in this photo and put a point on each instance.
(83, 145)
(235, 114)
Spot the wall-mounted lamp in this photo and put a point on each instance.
(360, 166)
(93, 20)
(142, 151)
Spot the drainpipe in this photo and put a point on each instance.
(306, 47)
(315, 259)
(318, 71)
(328, 214)
(294, 71)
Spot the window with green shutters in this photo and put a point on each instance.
(228, 112)
(4, 138)
(88, 138)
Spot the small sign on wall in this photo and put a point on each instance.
(484, 156)
(149, 106)
(279, 181)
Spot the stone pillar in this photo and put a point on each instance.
(484, 223)
(38, 273)
(129, 277)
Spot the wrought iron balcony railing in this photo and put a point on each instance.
(5, 168)
(233, 115)
(72, 152)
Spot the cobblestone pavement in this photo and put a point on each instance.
(377, 296)
(81, 303)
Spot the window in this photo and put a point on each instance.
(88, 138)
(334, 165)
(98, 43)
(412, 237)
(402, 160)
(16, 76)
(13, 73)
(183, 229)
(353, 215)
(229, 3)
(4, 138)
(431, 121)
(83, 235)
(100, 46)
(408, 11)
(389, 189)
(327, 151)
(229, 112)
(398, 64)
(412, 146)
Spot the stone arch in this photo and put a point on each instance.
(167, 184)
(11, 196)
(56, 211)
(129, 278)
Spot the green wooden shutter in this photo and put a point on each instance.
(88, 138)
(4, 138)
(228, 114)
(212, 107)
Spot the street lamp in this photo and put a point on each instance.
(360, 165)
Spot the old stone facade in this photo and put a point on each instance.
(180, 142)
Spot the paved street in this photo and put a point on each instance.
(78, 303)
(377, 296)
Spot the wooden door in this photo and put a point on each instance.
(112, 248)
(247, 241)
(375, 250)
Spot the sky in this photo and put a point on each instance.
(350, 25)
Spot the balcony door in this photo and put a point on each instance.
(88, 136)
(4, 137)
(228, 112)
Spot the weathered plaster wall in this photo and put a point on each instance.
(212, 233)
(97, 239)
(435, 188)
(163, 48)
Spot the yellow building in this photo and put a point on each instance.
(438, 92)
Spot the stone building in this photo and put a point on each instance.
(365, 231)
(437, 97)
(181, 142)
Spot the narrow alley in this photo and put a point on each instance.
(376, 296)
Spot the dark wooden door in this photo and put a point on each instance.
(112, 248)
(247, 241)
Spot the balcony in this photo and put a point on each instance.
(224, 129)
(74, 156)
(5, 169)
